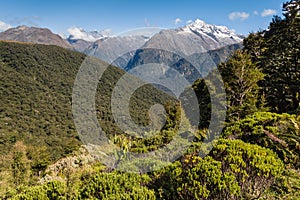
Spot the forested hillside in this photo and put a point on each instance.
(36, 122)
(256, 157)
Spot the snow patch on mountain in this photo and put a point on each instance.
(91, 36)
(200, 27)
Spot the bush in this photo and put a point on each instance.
(279, 132)
(234, 170)
(53, 190)
(116, 186)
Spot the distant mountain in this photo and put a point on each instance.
(34, 35)
(105, 46)
(197, 45)
(197, 37)
(81, 39)
(207, 61)
(109, 49)
(89, 36)
(79, 44)
(185, 65)
(192, 41)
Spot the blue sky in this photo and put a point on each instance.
(243, 16)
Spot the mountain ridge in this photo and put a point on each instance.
(34, 35)
(195, 37)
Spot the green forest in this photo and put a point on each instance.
(256, 157)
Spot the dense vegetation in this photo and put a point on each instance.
(257, 156)
(276, 53)
(36, 93)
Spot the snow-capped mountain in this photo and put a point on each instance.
(197, 37)
(200, 44)
(89, 36)
(200, 27)
(81, 40)
(190, 41)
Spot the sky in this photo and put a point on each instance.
(243, 16)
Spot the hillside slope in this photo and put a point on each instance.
(36, 89)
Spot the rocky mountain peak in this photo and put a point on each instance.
(22, 28)
(200, 27)
(34, 35)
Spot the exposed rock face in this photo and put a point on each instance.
(34, 35)
(197, 37)
(71, 164)
(204, 45)
(192, 41)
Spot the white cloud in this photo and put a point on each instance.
(177, 21)
(189, 21)
(255, 12)
(268, 12)
(4, 26)
(238, 15)
(79, 33)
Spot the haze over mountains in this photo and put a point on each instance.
(194, 42)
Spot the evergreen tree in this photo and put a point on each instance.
(240, 76)
(277, 53)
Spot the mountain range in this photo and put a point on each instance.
(197, 37)
(194, 42)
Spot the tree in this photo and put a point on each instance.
(20, 164)
(277, 53)
(240, 76)
(253, 46)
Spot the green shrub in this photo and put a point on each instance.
(233, 170)
(116, 186)
(279, 132)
